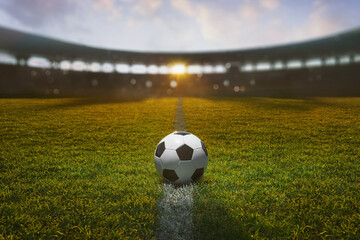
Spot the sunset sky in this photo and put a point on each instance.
(181, 25)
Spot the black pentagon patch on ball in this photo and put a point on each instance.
(185, 152)
(204, 148)
(160, 149)
(197, 174)
(170, 175)
(182, 133)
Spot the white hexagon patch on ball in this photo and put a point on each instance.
(180, 158)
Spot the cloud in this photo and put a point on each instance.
(249, 12)
(109, 6)
(37, 12)
(212, 21)
(147, 7)
(221, 24)
(183, 6)
(269, 4)
(324, 19)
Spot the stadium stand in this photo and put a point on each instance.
(32, 65)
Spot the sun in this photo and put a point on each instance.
(178, 69)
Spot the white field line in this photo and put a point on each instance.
(175, 207)
(176, 213)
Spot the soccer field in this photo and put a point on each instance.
(278, 168)
(83, 168)
(80, 168)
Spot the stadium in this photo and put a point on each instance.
(42, 66)
(86, 131)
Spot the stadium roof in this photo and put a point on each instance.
(24, 45)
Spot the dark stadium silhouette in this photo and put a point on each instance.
(32, 65)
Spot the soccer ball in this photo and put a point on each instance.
(180, 158)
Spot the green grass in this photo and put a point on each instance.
(80, 168)
(83, 168)
(278, 168)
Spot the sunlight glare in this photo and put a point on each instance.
(178, 69)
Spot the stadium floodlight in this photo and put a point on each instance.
(208, 69)
(95, 67)
(357, 58)
(107, 68)
(263, 66)
(7, 58)
(330, 61)
(122, 68)
(138, 69)
(220, 68)
(345, 59)
(194, 69)
(163, 69)
(78, 66)
(313, 62)
(153, 69)
(39, 62)
(248, 67)
(278, 65)
(294, 63)
(178, 69)
(180, 158)
(65, 65)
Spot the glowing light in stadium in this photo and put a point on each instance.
(178, 69)
(39, 62)
(148, 84)
(220, 69)
(226, 83)
(330, 61)
(173, 84)
(263, 66)
(357, 58)
(122, 68)
(152, 69)
(65, 65)
(7, 58)
(345, 59)
(239, 89)
(133, 81)
(313, 62)
(78, 66)
(107, 68)
(294, 64)
(95, 67)
(194, 69)
(138, 69)
(278, 65)
(208, 69)
(163, 69)
(247, 68)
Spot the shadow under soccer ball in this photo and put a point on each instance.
(181, 158)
